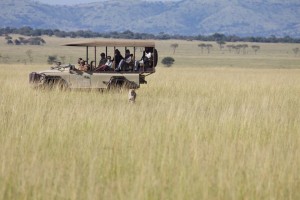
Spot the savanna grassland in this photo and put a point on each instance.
(213, 126)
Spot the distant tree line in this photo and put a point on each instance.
(24, 41)
(237, 48)
(28, 31)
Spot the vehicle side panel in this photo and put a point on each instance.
(79, 79)
(58, 75)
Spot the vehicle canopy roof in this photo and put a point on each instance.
(113, 43)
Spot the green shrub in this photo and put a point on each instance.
(51, 59)
(168, 61)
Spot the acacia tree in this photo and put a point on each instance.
(255, 48)
(221, 44)
(202, 46)
(230, 47)
(10, 42)
(244, 47)
(208, 47)
(7, 37)
(51, 59)
(17, 42)
(296, 51)
(22, 40)
(174, 47)
(29, 55)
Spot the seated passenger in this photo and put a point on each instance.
(117, 59)
(106, 67)
(79, 61)
(145, 60)
(102, 60)
(83, 66)
(124, 63)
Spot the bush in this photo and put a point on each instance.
(10, 42)
(51, 59)
(168, 61)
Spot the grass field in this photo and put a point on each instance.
(213, 126)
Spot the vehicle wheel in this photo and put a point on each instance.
(121, 84)
(61, 85)
(58, 84)
(115, 86)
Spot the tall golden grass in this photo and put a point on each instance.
(210, 134)
(194, 133)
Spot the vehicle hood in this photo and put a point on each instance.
(49, 71)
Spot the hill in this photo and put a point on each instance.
(187, 17)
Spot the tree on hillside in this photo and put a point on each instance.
(29, 55)
(25, 30)
(240, 47)
(230, 47)
(208, 47)
(22, 40)
(255, 48)
(244, 47)
(17, 42)
(174, 47)
(36, 41)
(9, 42)
(218, 37)
(296, 51)
(221, 44)
(202, 46)
(51, 59)
(7, 37)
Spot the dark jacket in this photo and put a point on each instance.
(117, 59)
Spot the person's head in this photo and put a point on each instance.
(127, 51)
(82, 62)
(109, 57)
(79, 60)
(148, 49)
(117, 51)
(102, 55)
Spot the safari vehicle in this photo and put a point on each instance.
(69, 76)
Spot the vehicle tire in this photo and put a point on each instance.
(61, 85)
(115, 85)
(121, 83)
(58, 84)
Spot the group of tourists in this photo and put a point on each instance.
(127, 63)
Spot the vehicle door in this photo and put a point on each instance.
(100, 80)
(79, 79)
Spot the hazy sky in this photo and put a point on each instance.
(72, 2)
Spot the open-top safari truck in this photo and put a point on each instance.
(69, 76)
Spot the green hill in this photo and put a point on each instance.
(187, 17)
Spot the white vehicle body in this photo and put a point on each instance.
(70, 77)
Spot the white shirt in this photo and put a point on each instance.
(108, 63)
(148, 55)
